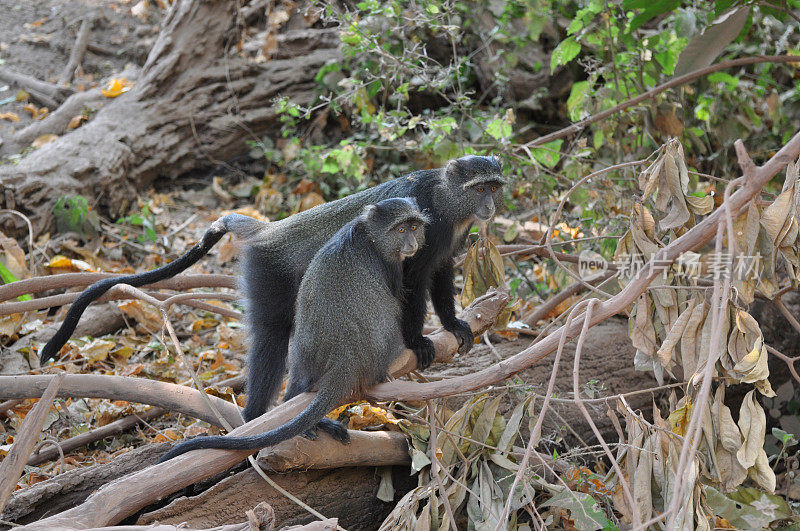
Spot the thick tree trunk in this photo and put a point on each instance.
(194, 104)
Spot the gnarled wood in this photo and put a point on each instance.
(194, 104)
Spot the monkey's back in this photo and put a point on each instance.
(347, 319)
(301, 235)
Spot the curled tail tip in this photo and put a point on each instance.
(46, 353)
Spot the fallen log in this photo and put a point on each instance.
(366, 448)
(347, 494)
(194, 104)
(70, 488)
(123, 497)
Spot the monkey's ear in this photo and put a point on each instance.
(451, 171)
(413, 202)
(497, 161)
(369, 211)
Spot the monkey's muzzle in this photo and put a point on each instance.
(409, 249)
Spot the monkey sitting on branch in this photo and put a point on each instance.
(278, 253)
(348, 323)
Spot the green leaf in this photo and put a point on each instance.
(723, 77)
(499, 129)
(652, 8)
(575, 26)
(576, 98)
(350, 37)
(598, 138)
(6, 275)
(565, 52)
(787, 439)
(583, 509)
(547, 155)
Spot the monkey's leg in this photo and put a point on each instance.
(442, 291)
(334, 428)
(413, 319)
(270, 328)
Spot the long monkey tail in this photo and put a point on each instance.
(323, 403)
(242, 226)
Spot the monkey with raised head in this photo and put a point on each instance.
(347, 323)
(278, 253)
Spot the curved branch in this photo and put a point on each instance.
(165, 395)
(678, 81)
(696, 237)
(72, 280)
(187, 299)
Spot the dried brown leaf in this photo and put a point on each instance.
(753, 425)
(667, 350)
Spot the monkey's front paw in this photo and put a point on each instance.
(335, 429)
(425, 351)
(463, 334)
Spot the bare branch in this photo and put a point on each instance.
(678, 81)
(14, 463)
(162, 394)
(73, 280)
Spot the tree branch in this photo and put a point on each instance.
(73, 280)
(162, 394)
(678, 81)
(14, 463)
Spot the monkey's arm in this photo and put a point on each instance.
(442, 291)
(413, 319)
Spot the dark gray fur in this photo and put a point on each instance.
(348, 320)
(278, 254)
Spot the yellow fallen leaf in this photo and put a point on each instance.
(10, 116)
(35, 23)
(167, 435)
(204, 324)
(96, 351)
(679, 419)
(116, 87)
(76, 121)
(33, 109)
(62, 262)
(144, 314)
(43, 140)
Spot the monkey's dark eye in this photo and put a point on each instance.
(401, 229)
(413, 228)
(494, 188)
(479, 189)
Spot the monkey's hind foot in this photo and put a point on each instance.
(333, 428)
(425, 351)
(463, 334)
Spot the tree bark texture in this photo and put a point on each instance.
(195, 103)
(344, 493)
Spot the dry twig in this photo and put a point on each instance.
(14, 463)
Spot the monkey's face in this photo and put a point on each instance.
(484, 195)
(476, 184)
(409, 237)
